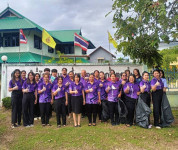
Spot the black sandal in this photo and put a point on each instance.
(89, 124)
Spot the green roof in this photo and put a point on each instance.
(18, 21)
(28, 57)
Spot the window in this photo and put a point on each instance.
(11, 39)
(84, 52)
(1, 41)
(37, 42)
(100, 60)
(66, 49)
(50, 50)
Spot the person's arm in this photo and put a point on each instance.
(153, 87)
(119, 95)
(66, 95)
(107, 89)
(127, 90)
(99, 98)
(87, 91)
(41, 90)
(83, 94)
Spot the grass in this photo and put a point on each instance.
(103, 136)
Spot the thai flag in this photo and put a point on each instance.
(79, 41)
(22, 37)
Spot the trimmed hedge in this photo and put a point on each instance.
(6, 102)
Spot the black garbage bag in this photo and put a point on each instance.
(105, 110)
(142, 113)
(167, 117)
(122, 109)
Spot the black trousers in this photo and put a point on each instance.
(84, 111)
(45, 112)
(100, 110)
(157, 99)
(37, 108)
(16, 102)
(130, 104)
(91, 110)
(69, 106)
(28, 108)
(60, 108)
(113, 111)
(147, 99)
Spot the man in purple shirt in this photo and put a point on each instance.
(46, 71)
(23, 76)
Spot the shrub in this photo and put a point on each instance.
(6, 102)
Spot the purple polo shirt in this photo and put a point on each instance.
(153, 82)
(96, 80)
(18, 83)
(83, 81)
(61, 93)
(147, 83)
(23, 80)
(70, 82)
(65, 80)
(114, 91)
(45, 97)
(31, 87)
(134, 88)
(103, 94)
(92, 97)
(73, 86)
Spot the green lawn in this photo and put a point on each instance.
(103, 136)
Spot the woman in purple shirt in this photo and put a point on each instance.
(103, 95)
(131, 90)
(71, 79)
(157, 94)
(15, 86)
(61, 101)
(76, 90)
(36, 106)
(44, 90)
(92, 99)
(145, 88)
(113, 91)
(29, 89)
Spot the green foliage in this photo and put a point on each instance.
(169, 55)
(120, 60)
(6, 102)
(141, 25)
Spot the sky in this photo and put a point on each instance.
(89, 15)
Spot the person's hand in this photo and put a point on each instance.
(67, 83)
(144, 86)
(52, 101)
(58, 89)
(157, 83)
(99, 102)
(66, 103)
(101, 85)
(83, 102)
(76, 91)
(86, 78)
(108, 88)
(26, 90)
(91, 90)
(15, 88)
(128, 88)
(123, 82)
(44, 89)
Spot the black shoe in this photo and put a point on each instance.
(14, 126)
(117, 123)
(89, 124)
(113, 124)
(76, 126)
(58, 126)
(79, 125)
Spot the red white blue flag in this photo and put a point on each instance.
(22, 37)
(79, 41)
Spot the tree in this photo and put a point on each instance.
(169, 55)
(120, 60)
(141, 25)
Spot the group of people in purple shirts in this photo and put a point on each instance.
(80, 94)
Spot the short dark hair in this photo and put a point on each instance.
(112, 74)
(64, 69)
(23, 71)
(54, 70)
(127, 71)
(156, 70)
(96, 71)
(78, 75)
(46, 69)
(37, 74)
(144, 73)
(60, 77)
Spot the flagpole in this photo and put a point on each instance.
(109, 42)
(19, 46)
(42, 52)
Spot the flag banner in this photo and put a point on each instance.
(79, 41)
(22, 37)
(111, 40)
(47, 39)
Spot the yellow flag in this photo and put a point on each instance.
(111, 40)
(47, 39)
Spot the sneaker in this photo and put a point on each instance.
(14, 126)
(58, 126)
(158, 127)
(64, 125)
(39, 118)
(43, 125)
(113, 124)
(150, 126)
(31, 125)
(36, 118)
(27, 126)
(48, 124)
